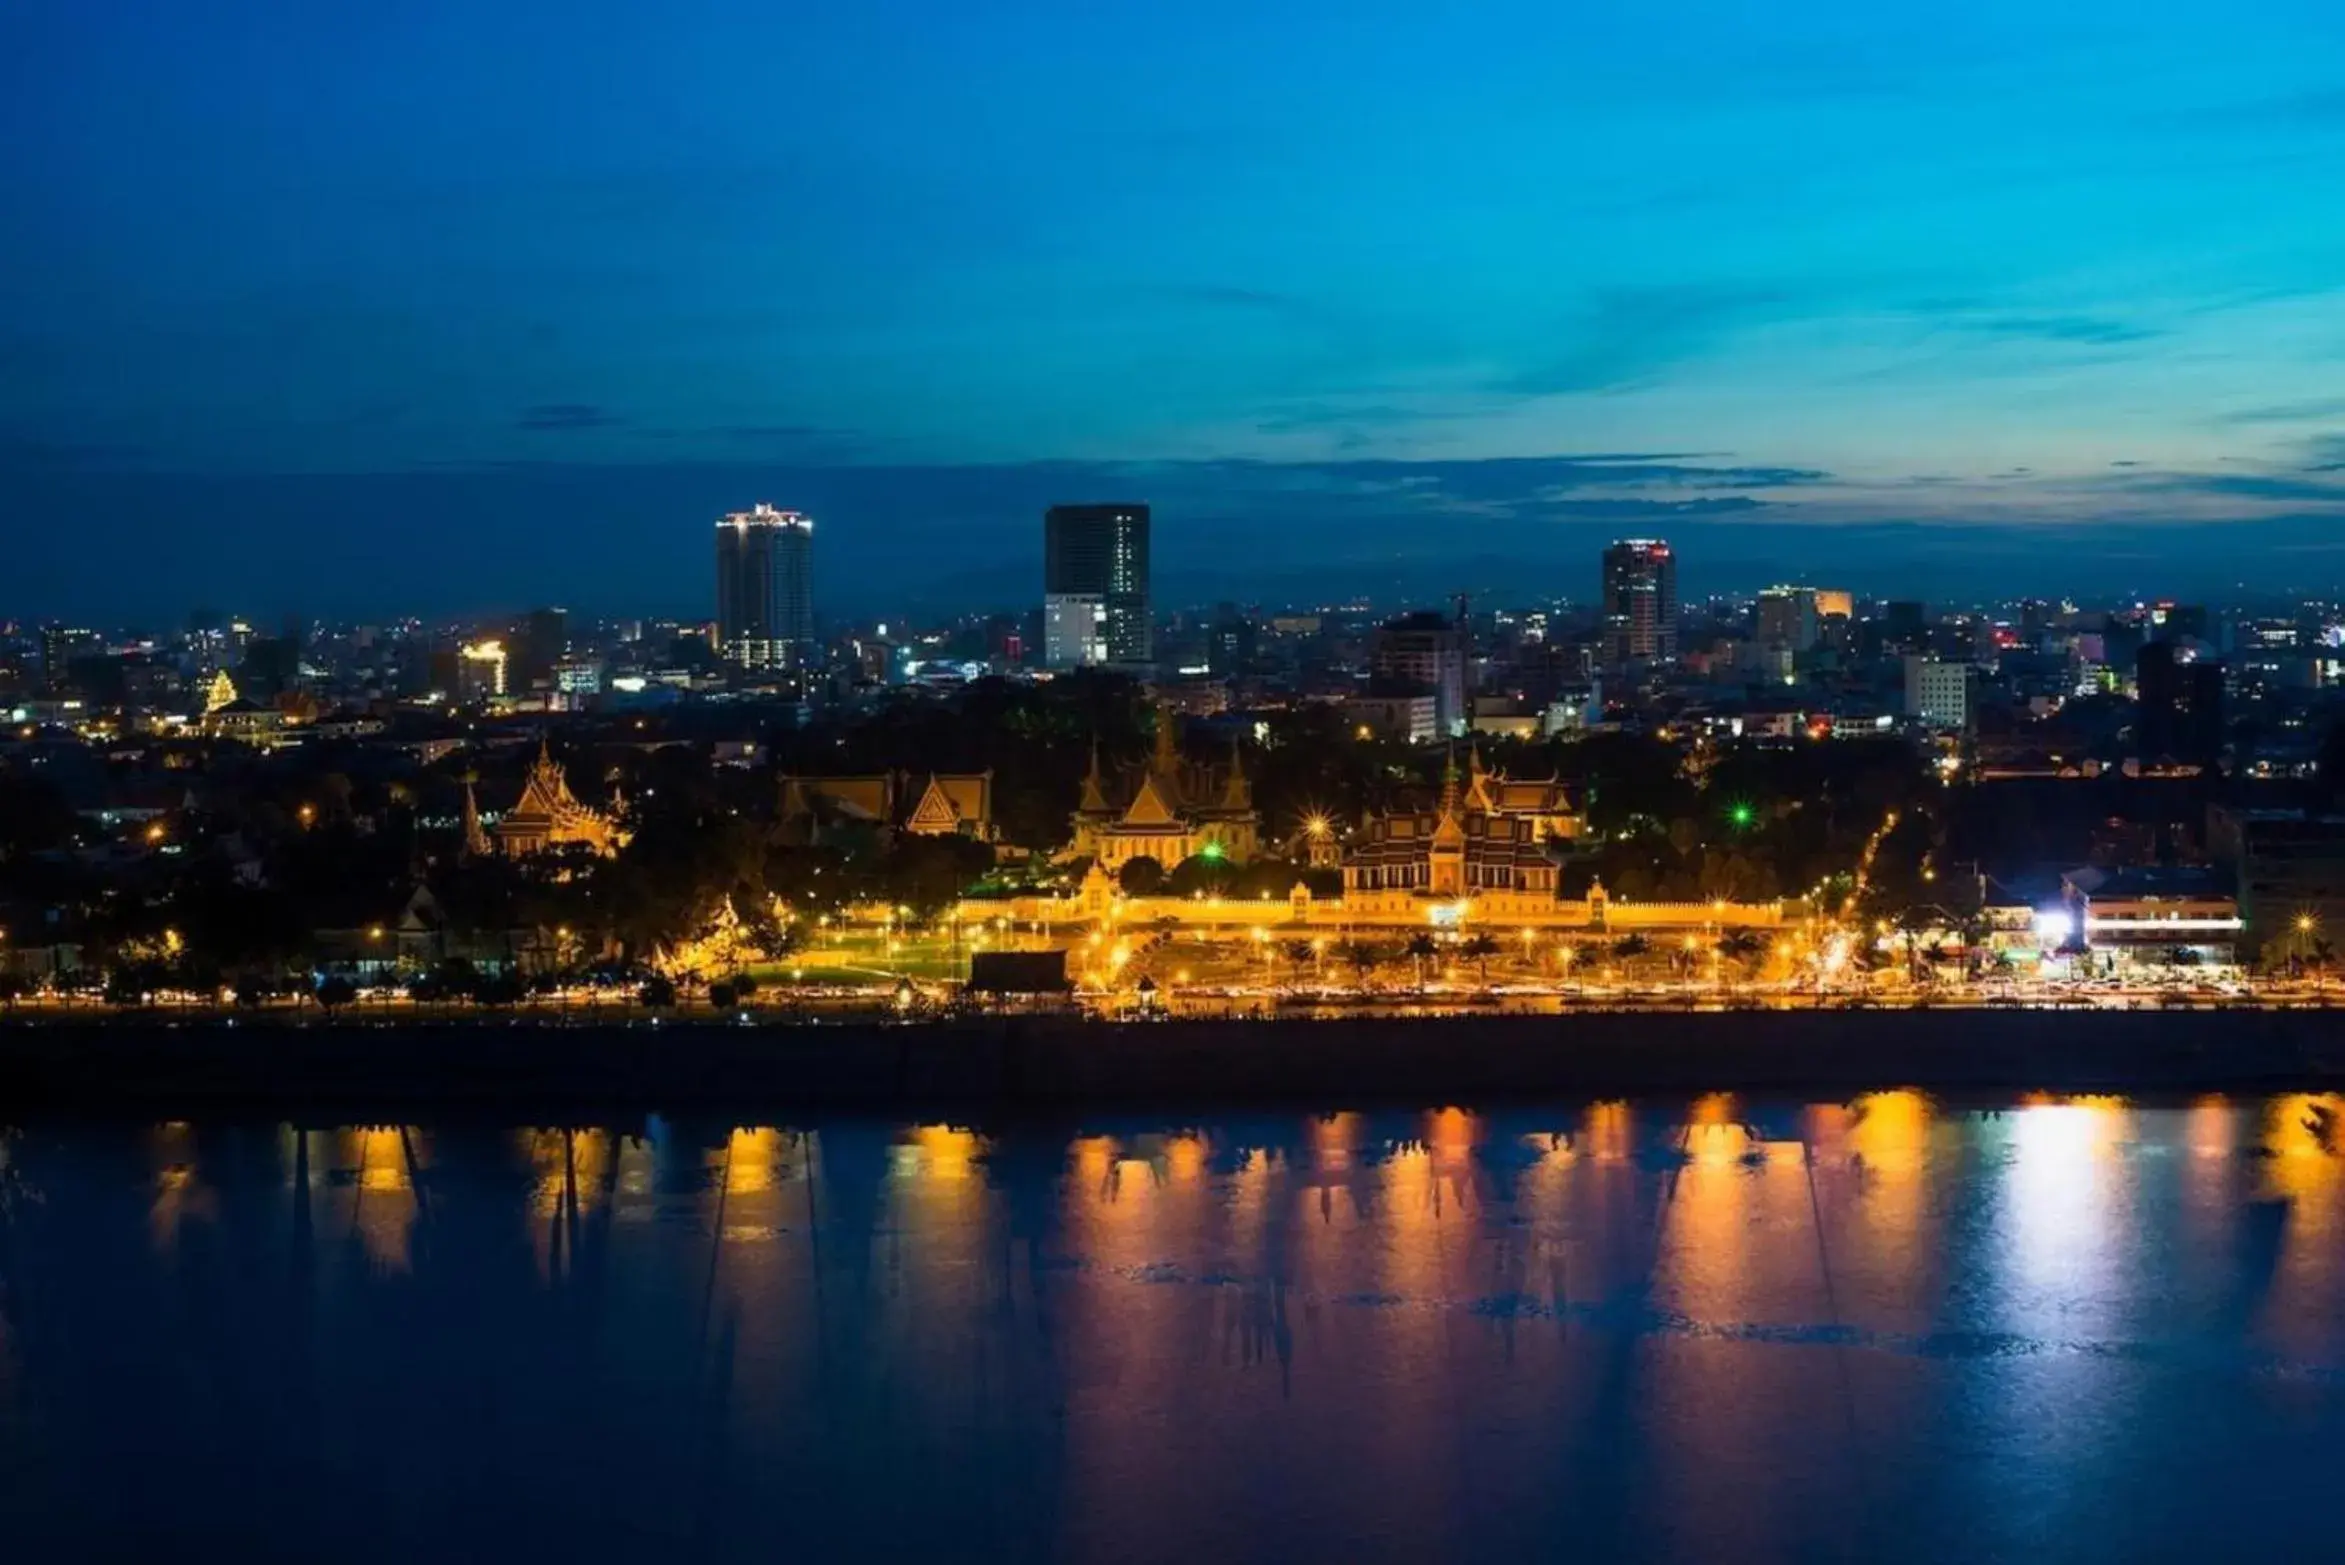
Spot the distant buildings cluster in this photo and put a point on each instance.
(2231, 706)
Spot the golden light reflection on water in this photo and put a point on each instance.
(2211, 1128)
(1335, 1140)
(751, 1160)
(1891, 1130)
(576, 1179)
(1607, 1132)
(1705, 1258)
(1873, 1177)
(571, 1170)
(1644, 1328)
(1258, 1171)
(179, 1196)
(2303, 1174)
(1093, 1159)
(1416, 1235)
(1718, 1214)
(378, 1209)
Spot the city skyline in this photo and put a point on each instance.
(1558, 776)
(1832, 286)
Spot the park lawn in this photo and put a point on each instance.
(862, 963)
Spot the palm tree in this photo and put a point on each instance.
(1422, 949)
(1481, 948)
(1362, 957)
(335, 993)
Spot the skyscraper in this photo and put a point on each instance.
(542, 640)
(1938, 694)
(60, 645)
(480, 672)
(2179, 715)
(1787, 618)
(765, 588)
(1095, 573)
(1905, 626)
(1424, 652)
(1640, 601)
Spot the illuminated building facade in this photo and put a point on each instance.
(481, 669)
(1074, 629)
(942, 804)
(1787, 618)
(2151, 917)
(1416, 863)
(1640, 601)
(1100, 552)
(1175, 811)
(1543, 803)
(1939, 694)
(1424, 652)
(548, 815)
(219, 692)
(765, 588)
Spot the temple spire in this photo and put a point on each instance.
(1236, 794)
(1094, 784)
(476, 841)
(1168, 754)
(1447, 833)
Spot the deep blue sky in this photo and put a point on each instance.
(469, 303)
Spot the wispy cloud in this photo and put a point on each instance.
(2252, 486)
(2092, 330)
(2310, 412)
(1311, 417)
(1231, 297)
(1625, 337)
(554, 416)
(39, 453)
(2307, 108)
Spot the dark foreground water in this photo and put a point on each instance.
(1668, 1331)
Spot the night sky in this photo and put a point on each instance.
(466, 304)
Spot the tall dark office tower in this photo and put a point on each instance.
(1424, 652)
(1095, 605)
(765, 588)
(543, 640)
(1640, 601)
(2179, 714)
(60, 645)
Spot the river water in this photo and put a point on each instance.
(1887, 1328)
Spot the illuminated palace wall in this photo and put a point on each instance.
(1097, 903)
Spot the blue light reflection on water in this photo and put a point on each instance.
(1719, 1329)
